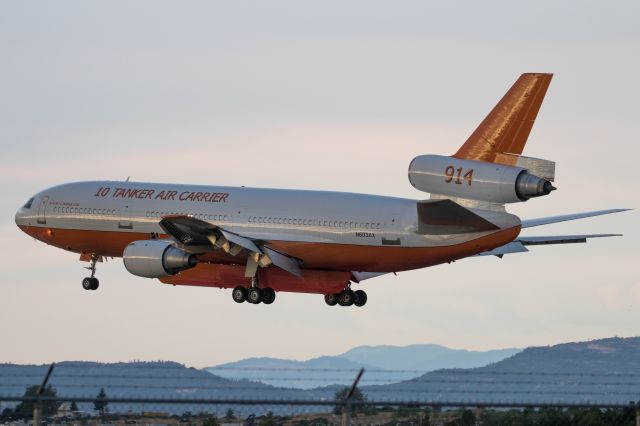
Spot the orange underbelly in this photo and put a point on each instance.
(319, 256)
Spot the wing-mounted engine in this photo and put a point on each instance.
(156, 258)
(482, 181)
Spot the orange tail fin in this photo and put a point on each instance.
(506, 129)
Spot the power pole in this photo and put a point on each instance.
(346, 410)
(37, 406)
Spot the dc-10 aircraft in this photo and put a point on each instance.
(259, 241)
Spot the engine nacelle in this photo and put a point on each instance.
(156, 258)
(475, 180)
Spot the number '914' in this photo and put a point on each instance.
(455, 175)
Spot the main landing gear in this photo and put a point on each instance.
(254, 294)
(92, 283)
(346, 297)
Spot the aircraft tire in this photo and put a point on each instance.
(254, 295)
(345, 298)
(331, 299)
(359, 298)
(86, 283)
(239, 294)
(268, 295)
(95, 283)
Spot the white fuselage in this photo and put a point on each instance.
(266, 214)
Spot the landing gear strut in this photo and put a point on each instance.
(92, 283)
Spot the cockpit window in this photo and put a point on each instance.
(28, 203)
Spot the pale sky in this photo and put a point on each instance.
(314, 95)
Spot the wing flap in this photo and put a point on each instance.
(187, 230)
(282, 261)
(241, 241)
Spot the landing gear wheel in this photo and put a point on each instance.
(359, 298)
(331, 299)
(254, 295)
(87, 283)
(239, 294)
(90, 283)
(345, 298)
(268, 295)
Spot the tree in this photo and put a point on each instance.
(358, 397)
(24, 410)
(7, 415)
(468, 418)
(211, 421)
(74, 407)
(230, 415)
(268, 420)
(101, 403)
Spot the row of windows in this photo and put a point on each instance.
(313, 222)
(221, 217)
(80, 210)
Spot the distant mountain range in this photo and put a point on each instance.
(606, 370)
(383, 364)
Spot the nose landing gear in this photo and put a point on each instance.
(92, 283)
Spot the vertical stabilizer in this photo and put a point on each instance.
(506, 129)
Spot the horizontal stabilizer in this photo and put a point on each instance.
(441, 217)
(519, 244)
(561, 239)
(529, 223)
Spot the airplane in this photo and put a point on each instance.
(262, 241)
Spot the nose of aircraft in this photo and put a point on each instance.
(23, 211)
(19, 216)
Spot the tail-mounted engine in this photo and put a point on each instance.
(156, 258)
(482, 181)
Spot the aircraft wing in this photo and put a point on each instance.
(519, 244)
(198, 236)
(529, 223)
